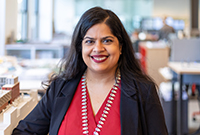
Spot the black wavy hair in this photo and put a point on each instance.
(73, 64)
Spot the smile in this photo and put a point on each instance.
(99, 59)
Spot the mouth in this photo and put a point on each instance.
(99, 58)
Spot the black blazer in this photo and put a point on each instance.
(140, 110)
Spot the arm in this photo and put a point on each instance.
(38, 121)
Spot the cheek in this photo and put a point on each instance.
(116, 52)
(115, 56)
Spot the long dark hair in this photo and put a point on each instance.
(73, 64)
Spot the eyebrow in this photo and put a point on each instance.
(87, 37)
(102, 38)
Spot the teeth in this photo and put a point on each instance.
(103, 58)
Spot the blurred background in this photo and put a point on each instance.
(36, 34)
(31, 21)
(33, 30)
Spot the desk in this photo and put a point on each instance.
(186, 73)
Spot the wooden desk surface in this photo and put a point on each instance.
(185, 67)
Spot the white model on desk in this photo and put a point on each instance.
(9, 90)
(14, 106)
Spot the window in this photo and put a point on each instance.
(22, 23)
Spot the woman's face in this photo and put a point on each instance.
(100, 49)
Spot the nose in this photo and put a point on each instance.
(98, 47)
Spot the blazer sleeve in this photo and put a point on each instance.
(155, 120)
(38, 120)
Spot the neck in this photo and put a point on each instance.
(100, 77)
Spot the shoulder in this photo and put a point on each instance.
(147, 90)
(61, 86)
(60, 81)
(57, 83)
(145, 85)
(55, 87)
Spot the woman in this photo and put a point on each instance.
(100, 88)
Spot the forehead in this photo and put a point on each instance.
(99, 29)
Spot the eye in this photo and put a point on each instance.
(89, 42)
(107, 41)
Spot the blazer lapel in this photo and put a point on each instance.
(62, 104)
(129, 111)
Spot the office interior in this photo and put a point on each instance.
(36, 34)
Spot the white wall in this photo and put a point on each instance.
(2, 27)
(174, 8)
(11, 18)
(8, 22)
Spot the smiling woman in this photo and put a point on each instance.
(100, 50)
(100, 88)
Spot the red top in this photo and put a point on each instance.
(72, 122)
